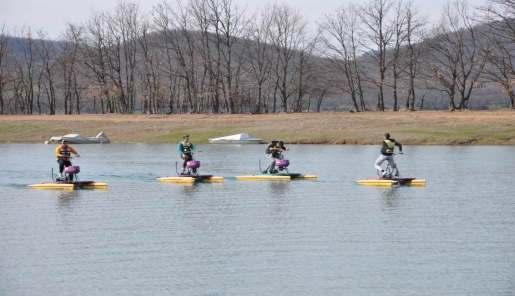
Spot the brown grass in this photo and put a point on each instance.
(471, 127)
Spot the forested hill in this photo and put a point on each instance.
(183, 60)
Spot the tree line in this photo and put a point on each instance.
(211, 56)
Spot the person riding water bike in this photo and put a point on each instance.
(387, 151)
(186, 149)
(63, 152)
(274, 150)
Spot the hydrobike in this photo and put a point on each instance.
(279, 174)
(388, 179)
(388, 182)
(191, 176)
(70, 181)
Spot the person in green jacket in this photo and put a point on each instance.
(185, 148)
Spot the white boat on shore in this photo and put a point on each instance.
(237, 139)
(100, 138)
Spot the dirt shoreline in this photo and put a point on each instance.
(422, 127)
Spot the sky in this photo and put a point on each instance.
(52, 16)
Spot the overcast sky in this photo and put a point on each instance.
(52, 15)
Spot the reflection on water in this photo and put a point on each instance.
(391, 197)
(67, 197)
(324, 237)
(278, 188)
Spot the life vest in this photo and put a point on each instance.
(186, 148)
(390, 145)
(65, 152)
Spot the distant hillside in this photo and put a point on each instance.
(485, 95)
(17, 46)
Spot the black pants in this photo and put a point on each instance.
(62, 164)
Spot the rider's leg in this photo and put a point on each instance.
(61, 166)
(67, 163)
(184, 162)
(194, 169)
(267, 170)
(275, 156)
(378, 164)
(271, 169)
(187, 157)
(393, 165)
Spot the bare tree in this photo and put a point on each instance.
(47, 57)
(210, 56)
(3, 65)
(500, 68)
(379, 34)
(500, 19)
(444, 64)
(228, 26)
(456, 62)
(149, 75)
(288, 35)
(179, 38)
(341, 41)
(70, 63)
(500, 15)
(110, 54)
(399, 37)
(26, 72)
(95, 58)
(305, 71)
(169, 70)
(414, 31)
(260, 57)
(210, 52)
(471, 62)
(123, 33)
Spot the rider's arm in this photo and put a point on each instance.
(179, 148)
(57, 151)
(399, 145)
(73, 150)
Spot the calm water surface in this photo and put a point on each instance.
(329, 237)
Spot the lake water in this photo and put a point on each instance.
(456, 236)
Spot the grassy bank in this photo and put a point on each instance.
(455, 128)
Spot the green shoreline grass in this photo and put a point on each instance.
(425, 128)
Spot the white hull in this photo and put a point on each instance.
(236, 139)
(78, 139)
(256, 141)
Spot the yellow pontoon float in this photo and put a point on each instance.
(192, 179)
(276, 177)
(393, 182)
(73, 185)
(69, 181)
